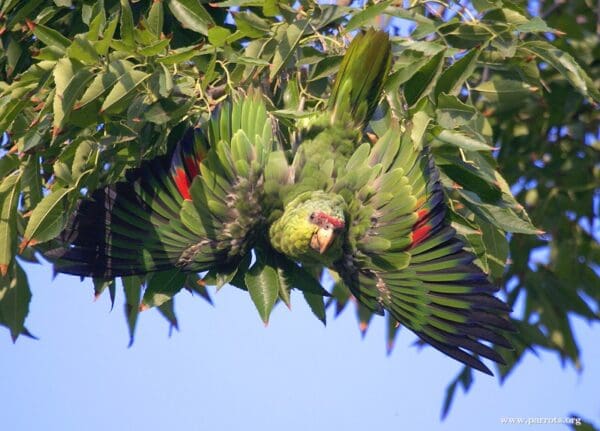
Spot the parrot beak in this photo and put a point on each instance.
(322, 239)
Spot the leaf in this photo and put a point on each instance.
(162, 286)
(503, 217)
(288, 38)
(465, 378)
(471, 177)
(104, 81)
(465, 35)
(194, 284)
(496, 249)
(96, 23)
(31, 183)
(132, 286)
(167, 310)
(454, 77)
(317, 305)
(124, 87)
(48, 218)
(366, 15)
(155, 48)
(461, 140)
(192, 15)
(452, 113)
(218, 35)
(534, 25)
(70, 82)
(303, 280)
(49, 36)
(504, 90)
(155, 18)
(566, 65)
(82, 50)
(15, 297)
(420, 121)
(181, 55)
(422, 82)
(326, 67)
(107, 37)
(251, 25)
(126, 28)
(9, 199)
(263, 285)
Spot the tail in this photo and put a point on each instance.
(132, 227)
(359, 83)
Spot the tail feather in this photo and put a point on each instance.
(361, 78)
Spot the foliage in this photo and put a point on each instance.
(507, 101)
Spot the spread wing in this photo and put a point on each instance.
(193, 209)
(403, 256)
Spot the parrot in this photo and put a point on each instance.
(373, 213)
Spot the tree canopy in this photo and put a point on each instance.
(505, 92)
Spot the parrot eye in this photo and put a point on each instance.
(312, 217)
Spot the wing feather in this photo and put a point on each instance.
(436, 290)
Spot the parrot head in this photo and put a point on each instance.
(311, 228)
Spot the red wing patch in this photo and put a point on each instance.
(183, 183)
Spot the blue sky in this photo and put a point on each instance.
(225, 371)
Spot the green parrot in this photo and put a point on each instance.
(375, 214)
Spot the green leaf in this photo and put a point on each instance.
(326, 67)
(504, 90)
(162, 286)
(461, 140)
(82, 50)
(9, 199)
(535, 25)
(452, 113)
(218, 35)
(503, 217)
(288, 38)
(126, 84)
(251, 25)
(155, 48)
(49, 36)
(31, 183)
(97, 22)
(107, 37)
(454, 77)
(181, 55)
(155, 18)
(48, 218)
(194, 284)
(496, 249)
(566, 65)
(262, 281)
(471, 176)
(104, 81)
(464, 378)
(422, 82)
(70, 80)
(192, 15)
(167, 310)
(420, 121)
(132, 286)
(317, 305)
(126, 28)
(14, 301)
(465, 35)
(366, 15)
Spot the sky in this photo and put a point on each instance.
(223, 370)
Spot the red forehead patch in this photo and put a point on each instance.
(321, 219)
